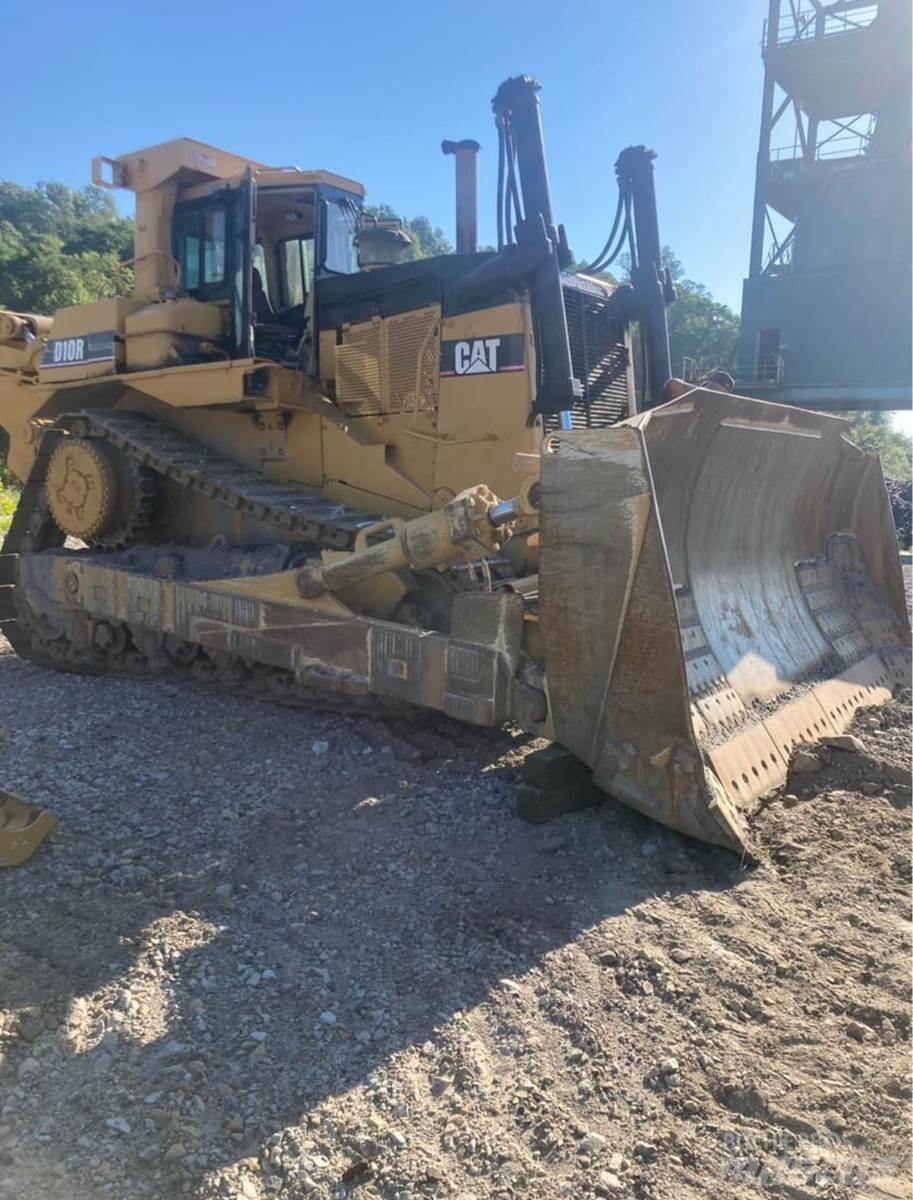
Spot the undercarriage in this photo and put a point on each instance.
(604, 606)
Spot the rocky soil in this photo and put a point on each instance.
(280, 954)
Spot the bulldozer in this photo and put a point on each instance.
(300, 464)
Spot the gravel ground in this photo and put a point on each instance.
(275, 953)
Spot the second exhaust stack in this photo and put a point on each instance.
(467, 193)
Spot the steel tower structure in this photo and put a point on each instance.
(826, 307)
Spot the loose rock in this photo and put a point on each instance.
(845, 741)
(859, 1032)
(806, 763)
(592, 1143)
(608, 1184)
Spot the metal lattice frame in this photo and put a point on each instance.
(807, 139)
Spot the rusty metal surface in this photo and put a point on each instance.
(260, 620)
(616, 674)
(719, 583)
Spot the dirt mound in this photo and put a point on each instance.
(276, 954)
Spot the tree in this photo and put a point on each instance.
(700, 328)
(60, 246)
(428, 240)
(873, 431)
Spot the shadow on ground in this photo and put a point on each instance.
(215, 879)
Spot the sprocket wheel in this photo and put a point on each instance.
(98, 494)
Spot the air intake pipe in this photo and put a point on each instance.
(466, 154)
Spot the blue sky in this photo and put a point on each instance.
(369, 90)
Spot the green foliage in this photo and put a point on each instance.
(700, 327)
(874, 432)
(9, 498)
(427, 240)
(60, 246)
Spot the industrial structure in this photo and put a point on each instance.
(826, 308)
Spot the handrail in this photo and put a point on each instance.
(808, 24)
(849, 144)
(767, 368)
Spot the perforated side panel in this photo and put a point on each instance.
(413, 346)
(360, 369)
(390, 365)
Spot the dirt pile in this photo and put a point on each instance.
(278, 954)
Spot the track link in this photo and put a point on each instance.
(153, 444)
(114, 648)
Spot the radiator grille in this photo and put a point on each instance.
(599, 358)
(389, 366)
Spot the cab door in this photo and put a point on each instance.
(244, 220)
(213, 240)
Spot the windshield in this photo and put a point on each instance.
(341, 215)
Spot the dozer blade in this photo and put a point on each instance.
(719, 582)
(23, 828)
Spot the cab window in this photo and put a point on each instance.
(214, 245)
(340, 219)
(258, 260)
(296, 256)
(200, 246)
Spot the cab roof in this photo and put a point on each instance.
(191, 162)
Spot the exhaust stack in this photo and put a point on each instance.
(466, 154)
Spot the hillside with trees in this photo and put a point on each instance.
(61, 246)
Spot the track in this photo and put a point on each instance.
(46, 639)
(154, 445)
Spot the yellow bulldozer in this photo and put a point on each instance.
(300, 465)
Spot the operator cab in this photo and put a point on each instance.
(300, 236)
(257, 248)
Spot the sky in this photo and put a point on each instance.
(369, 91)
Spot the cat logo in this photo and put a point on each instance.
(483, 356)
(476, 358)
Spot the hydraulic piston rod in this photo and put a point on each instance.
(429, 541)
